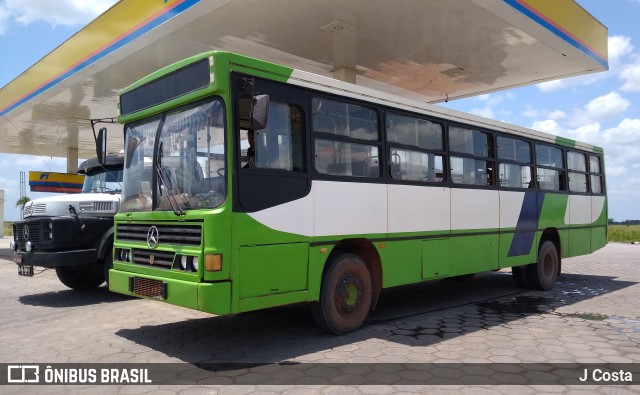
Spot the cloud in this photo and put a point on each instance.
(600, 109)
(630, 74)
(547, 126)
(59, 12)
(619, 46)
(531, 112)
(486, 112)
(493, 104)
(605, 106)
(4, 19)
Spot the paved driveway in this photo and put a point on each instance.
(479, 333)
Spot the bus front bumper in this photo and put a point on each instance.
(214, 298)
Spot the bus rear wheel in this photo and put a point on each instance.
(81, 278)
(345, 295)
(542, 275)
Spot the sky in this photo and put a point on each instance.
(601, 109)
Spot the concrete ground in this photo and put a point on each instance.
(463, 337)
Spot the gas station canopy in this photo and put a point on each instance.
(429, 50)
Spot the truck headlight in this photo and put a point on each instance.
(13, 246)
(183, 262)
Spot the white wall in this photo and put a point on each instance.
(1, 213)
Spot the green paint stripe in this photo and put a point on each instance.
(565, 142)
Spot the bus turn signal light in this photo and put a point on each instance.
(213, 262)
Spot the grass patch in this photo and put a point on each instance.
(624, 233)
(7, 230)
(590, 316)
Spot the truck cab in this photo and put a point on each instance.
(73, 233)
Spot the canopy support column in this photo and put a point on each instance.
(72, 148)
(344, 50)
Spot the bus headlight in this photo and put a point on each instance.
(28, 246)
(183, 262)
(194, 263)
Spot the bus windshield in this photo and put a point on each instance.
(187, 146)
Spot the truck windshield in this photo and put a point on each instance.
(103, 180)
(187, 145)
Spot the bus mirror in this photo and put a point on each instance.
(101, 146)
(259, 112)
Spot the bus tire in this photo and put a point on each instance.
(345, 295)
(519, 274)
(542, 275)
(107, 264)
(81, 278)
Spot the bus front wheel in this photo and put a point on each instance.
(345, 295)
(543, 274)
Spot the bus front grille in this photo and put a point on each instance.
(148, 287)
(159, 259)
(167, 234)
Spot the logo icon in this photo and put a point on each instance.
(152, 260)
(153, 237)
(23, 374)
(25, 232)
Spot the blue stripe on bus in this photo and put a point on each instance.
(527, 224)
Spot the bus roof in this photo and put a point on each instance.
(324, 84)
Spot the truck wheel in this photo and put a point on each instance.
(81, 278)
(345, 295)
(107, 264)
(542, 275)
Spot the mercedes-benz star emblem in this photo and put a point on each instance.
(25, 232)
(152, 237)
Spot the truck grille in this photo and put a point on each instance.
(167, 234)
(35, 209)
(97, 206)
(103, 206)
(33, 229)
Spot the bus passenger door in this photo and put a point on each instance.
(271, 202)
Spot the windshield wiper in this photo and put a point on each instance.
(175, 206)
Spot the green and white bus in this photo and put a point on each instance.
(249, 185)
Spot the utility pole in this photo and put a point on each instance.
(23, 190)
